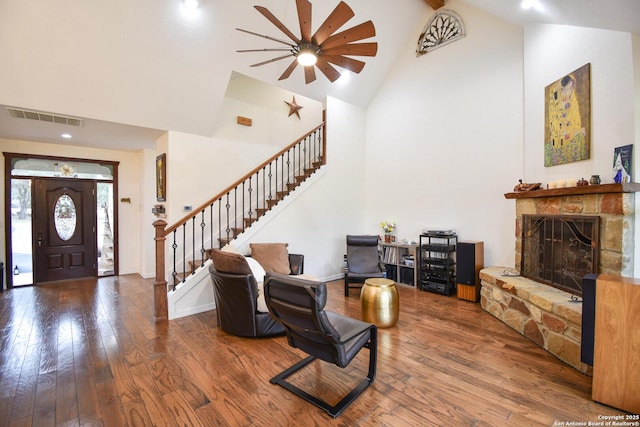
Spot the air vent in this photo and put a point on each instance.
(44, 117)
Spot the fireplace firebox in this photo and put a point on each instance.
(559, 250)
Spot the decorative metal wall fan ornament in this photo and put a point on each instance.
(325, 45)
(444, 27)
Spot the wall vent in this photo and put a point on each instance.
(44, 117)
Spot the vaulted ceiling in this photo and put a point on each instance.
(134, 68)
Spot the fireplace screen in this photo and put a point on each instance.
(560, 249)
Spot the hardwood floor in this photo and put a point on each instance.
(89, 353)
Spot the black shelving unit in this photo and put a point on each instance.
(438, 262)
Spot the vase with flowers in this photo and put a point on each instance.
(388, 227)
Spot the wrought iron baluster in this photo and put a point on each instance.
(235, 209)
(219, 221)
(203, 224)
(264, 189)
(184, 252)
(193, 244)
(257, 191)
(211, 228)
(174, 273)
(228, 212)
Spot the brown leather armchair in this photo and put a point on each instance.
(362, 261)
(236, 294)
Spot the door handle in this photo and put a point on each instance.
(39, 240)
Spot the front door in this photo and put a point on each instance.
(64, 229)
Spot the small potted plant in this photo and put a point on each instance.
(388, 227)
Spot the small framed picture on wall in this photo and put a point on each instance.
(161, 177)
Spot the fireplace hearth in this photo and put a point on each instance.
(559, 250)
(549, 316)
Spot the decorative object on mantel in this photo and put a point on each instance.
(567, 114)
(294, 108)
(582, 182)
(388, 227)
(595, 180)
(622, 161)
(526, 187)
(444, 27)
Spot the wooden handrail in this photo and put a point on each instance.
(206, 204)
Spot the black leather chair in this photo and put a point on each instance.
(298, 305)
(236, 292)
(362, 261)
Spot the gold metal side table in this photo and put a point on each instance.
(380, 302)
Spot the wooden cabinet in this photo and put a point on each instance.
(400, 262)
(616, 358)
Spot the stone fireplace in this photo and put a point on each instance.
(551, 317)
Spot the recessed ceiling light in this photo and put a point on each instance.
(66, 135)
(530, 4)
(190, 5)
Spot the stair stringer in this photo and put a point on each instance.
(195, 294)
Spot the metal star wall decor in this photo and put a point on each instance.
(293, 107)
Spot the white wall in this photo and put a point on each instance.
(199, 167)
(444, 138)
(552, 51)
(128, 186)
(334, 205)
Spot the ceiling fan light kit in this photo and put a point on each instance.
(325, 49)
(307, 54)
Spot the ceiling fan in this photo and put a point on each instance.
(322, 48)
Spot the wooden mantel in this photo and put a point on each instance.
(435, 4)
(628, 187)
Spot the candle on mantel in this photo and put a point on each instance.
(561, 183)
(572, 183)
(552, 185)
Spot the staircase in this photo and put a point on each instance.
(230, 213)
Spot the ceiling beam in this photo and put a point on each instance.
(435, 4)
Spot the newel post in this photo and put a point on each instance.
(160, 309)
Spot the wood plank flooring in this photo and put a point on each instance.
(89, 353)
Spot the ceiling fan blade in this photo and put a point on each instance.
(353, 49)
(359, 32)
(275, 21)
(331, 73)
(304, 18)
(340, 15)
(263, 50)
(342, 61)
(309, 74)
(271, 60)
(267, 37)
(289, 70)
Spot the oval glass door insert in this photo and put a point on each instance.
(64, 217)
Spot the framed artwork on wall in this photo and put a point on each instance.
(161, 177)
(567, 118)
